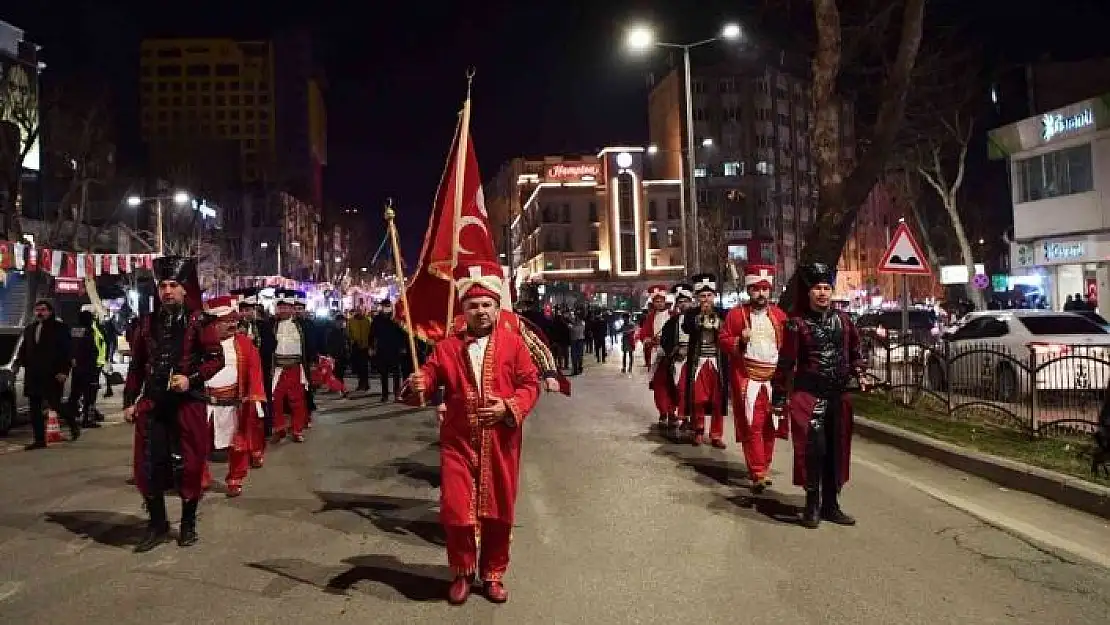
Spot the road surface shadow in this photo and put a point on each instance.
(779, 509)
(107, 528)
(415, 582)
(380, 416)
(399, 516)
(429, 474)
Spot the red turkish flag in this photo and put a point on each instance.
(430, 287)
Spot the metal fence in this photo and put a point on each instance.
(1044, 389)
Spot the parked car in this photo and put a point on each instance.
(1093, 316)
(12, 403)
(1000, 350)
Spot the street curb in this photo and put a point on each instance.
(1062, 489)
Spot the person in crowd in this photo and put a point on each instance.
(820, 354)
(628, 347)
(174, 353)
(390, 348)
(89, 357)
(358, 329)
(577, 327)
(480, 435)
(44, 355)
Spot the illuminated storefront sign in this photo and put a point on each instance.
(1056, 124)
(569, 172)
(1062, 252)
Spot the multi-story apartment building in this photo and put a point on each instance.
(242, 114)
(592, 222)
(752, 158)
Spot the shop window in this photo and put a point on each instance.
(1055, 174)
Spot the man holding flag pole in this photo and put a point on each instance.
(488, 401)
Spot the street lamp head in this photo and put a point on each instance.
(653, 149)
(707, 142)
(731, 32)
(134, 200)
(639, 38)
(181, 198)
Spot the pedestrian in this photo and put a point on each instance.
(388, 348)
(235, 395)
(174, 353)
(89, 356)
(44, 355)
(752, 337)
(628, 347)
(599, 331)
(480, 436)
(577, 327)
(338, 345)
(820, 355)
(110, 332)
(702, 389)
(358, 329)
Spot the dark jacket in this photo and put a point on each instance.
(387, 339)
(44, 359)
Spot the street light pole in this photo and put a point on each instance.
(159, 233)
(690, 169)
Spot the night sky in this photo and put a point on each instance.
(551, 76)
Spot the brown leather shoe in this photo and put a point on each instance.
(459, 591)
(496, 592)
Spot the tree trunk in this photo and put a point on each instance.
(974, 295)
(922, 227)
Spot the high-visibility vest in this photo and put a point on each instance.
(101, 346)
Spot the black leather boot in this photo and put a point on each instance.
(187, 536)
(158, 528)
(811, 516)
(830, 508)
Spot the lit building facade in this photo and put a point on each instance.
(752, 162)
(595, 224)
(1059, 166)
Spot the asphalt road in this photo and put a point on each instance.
(614, 527)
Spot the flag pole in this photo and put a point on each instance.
(460, 180)
(391, 227)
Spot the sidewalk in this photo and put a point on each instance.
(1058, 487)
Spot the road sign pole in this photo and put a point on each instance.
(905, 338)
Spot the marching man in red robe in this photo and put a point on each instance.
(491, 384)
(752, 336)
(702, 388)
(235, 396)
(651, 334)
(292, 355)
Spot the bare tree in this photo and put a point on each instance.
(712, 241)
(19, 133)
(863, 43)
(905, 187)
(947, 181)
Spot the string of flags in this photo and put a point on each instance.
(16, 256)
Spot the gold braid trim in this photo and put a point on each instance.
(541, 354)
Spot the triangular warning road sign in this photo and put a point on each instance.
(904, 255)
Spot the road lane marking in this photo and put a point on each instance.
(992, 518)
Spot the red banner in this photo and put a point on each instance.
(430, 287)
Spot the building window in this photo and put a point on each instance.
(700, 172)
(674, 209)
(1055, 174)
(767, 252)
(653, 210)
(580, 263)
(653, 238)
(627, 226)
(593, 213)
(672, 238)
(732, 169)
(738, 253)
(594, 242)
(227, 69)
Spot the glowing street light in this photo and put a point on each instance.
(640, 38)
(134, 200)
(653, 149)
(181, 198)
(707, 142)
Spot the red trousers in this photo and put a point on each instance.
(755, 428)
(465, 541)
(248, 446)
(663, 390)
(289, 395)
(707, 397)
